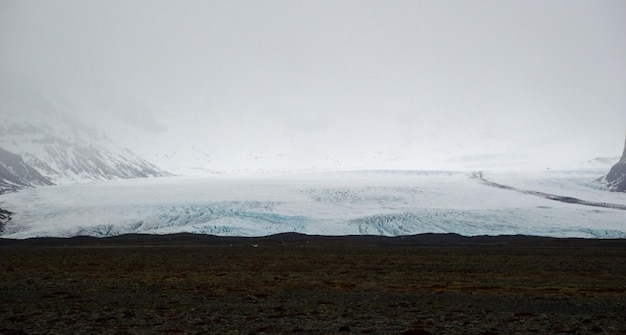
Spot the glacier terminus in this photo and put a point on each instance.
(376, 202)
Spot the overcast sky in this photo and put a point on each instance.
(343, 78)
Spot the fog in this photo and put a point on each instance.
(350, 83)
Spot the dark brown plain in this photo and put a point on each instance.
(298, 284)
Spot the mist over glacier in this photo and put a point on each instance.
(390, 203)
(201, 87)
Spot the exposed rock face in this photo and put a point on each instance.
(616, 179)
(5, 217)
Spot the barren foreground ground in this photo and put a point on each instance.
(295, 284)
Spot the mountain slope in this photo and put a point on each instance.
(15, 173)
(42, 144)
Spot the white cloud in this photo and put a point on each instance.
(407, 77)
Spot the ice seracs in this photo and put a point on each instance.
(390, 203)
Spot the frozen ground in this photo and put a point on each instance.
(328, 203)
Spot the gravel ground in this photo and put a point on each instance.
(314, 287)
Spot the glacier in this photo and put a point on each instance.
(379, 202)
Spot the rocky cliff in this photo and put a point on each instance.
(616, 179)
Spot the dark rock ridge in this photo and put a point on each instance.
(616, 179)
(570, 200)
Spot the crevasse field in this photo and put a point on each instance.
(330, 203)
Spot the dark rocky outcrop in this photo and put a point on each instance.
(5, 217)
(616, 179)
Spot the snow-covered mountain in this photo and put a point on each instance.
(15, 173)
(42, 144)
